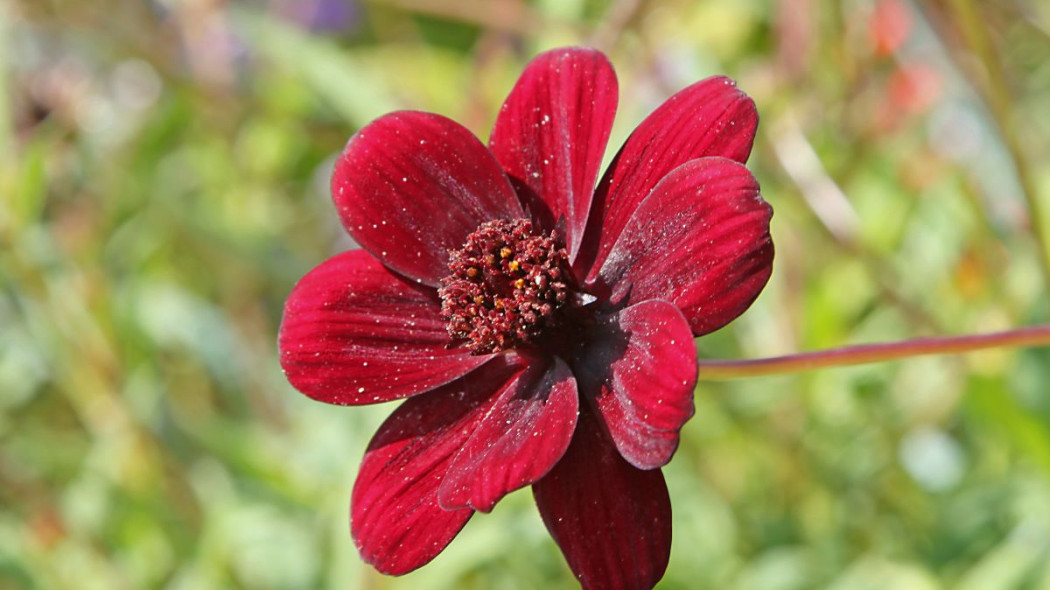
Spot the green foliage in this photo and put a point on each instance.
(163, 185)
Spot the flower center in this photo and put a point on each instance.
(507, 287)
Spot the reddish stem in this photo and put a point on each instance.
(715, 370)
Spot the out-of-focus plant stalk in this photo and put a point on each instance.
(617, 19)
(833, 209)
(873, 353)
(995, 92)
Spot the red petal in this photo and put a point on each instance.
(611, 520)
(411, 186)
(355, 333)
(396, 520)
(551, 134)
(639, 370)
(700, 240)
(709, 118)
(521, 437)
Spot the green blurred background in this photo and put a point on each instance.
(163, 171)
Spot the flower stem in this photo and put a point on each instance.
(873, 353)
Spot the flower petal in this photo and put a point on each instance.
(411, 186)
(355, 333)
(611, 520)
(551, 134)
(396, 520)
(638, 369)
(700, 240)
(521, 437)
(710, 118)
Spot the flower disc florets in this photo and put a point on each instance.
(596, 379)
(507, 287)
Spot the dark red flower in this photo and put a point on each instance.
(542, 329)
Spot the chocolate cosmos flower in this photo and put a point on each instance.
(542, 329)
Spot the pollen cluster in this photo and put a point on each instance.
(507, 286)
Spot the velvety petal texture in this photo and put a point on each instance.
(594, 367)
(523, 434)
(396, 519)
(700, 240)
(710, 118)
(355, 333)
(551, 135)
(411, 186)
(611, 520)
(638, 369)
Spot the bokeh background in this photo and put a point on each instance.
(163, 172)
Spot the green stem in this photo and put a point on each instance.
(994, 89)
(873, 353)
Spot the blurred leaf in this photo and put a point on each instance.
(991, 402)
(334, 74)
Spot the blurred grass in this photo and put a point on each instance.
(163, 185)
